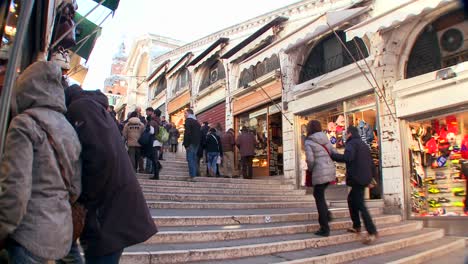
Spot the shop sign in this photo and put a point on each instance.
(258, 113)
(361, 102)
(274, 109)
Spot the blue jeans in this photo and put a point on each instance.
(73, 257)
(192, 160)
(18, 254)
(211, 162)
(107, 259)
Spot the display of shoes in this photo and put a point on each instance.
(458, 204)
(433, 190)
(460, 193)
(429, 180)
(443, 200)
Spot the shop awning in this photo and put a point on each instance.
(396, 17)
(111, 4)
(260, 32)
(86, 34)
(180, 63)
(210, 51)
(314, 28)
(152, 78)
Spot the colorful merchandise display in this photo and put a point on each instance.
(439, 166)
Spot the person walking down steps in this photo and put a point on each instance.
(318, 149)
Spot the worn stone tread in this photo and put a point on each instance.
(389, 257)
(284, 257)
(239, 242)
(181, 229)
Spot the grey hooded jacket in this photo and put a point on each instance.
(318, 159)
(34, 202)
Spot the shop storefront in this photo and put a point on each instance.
(435, 145)
(361, 112)
(214, 115)
(176, 109)
(265, 123)
(438, 164)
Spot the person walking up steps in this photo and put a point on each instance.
(214, 151)
(359, 172)
(191, 141)
(317, 149)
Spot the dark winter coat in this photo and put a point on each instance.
(359, 166)
(118, 215)
(213, 143)
(228, 142)
(192, 133)
(246, 144)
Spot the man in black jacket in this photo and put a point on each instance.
(118, 215)
(359, 173)
(191, 141)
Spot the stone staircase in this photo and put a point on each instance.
(219, 220)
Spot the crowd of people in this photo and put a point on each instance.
(75, 178)
(66, 174)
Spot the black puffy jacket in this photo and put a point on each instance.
(359, 165)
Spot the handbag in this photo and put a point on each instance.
(218, 160)
(78, 210)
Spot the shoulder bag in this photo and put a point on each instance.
(78, 210)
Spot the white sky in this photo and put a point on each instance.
(185, 20)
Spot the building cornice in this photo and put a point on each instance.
(293, 9)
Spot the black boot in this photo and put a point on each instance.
(322, 232)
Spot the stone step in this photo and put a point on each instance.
(369, 203)
(180, 218)
(340, 253)
(223, 233)
(221, 250)
(227, 205)
(175, 190)
(183, 197)
(455, 256)
(422, 253)
(150, 183)
(178, 177)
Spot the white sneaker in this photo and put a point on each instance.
(369, 239)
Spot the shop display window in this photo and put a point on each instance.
(9, 12)
(256, 122)
(266, 125)
(438, 156)
(359, 112)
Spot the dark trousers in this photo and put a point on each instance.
(247, 170)
(154, 157)
(322, 207)
(356, 204)
(135, 156)
(174, 148)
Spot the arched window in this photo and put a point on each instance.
(213, 74)
(440, 44)
(181, 81)
(259, 70)
(161, 85)
(329, 55)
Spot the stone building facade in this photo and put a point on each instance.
(343, 62)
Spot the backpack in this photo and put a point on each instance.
(146, 138)
(163, 135)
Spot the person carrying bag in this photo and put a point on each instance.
(322, 170)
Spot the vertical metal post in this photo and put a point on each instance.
(10, 77)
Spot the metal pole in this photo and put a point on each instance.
(10, 76)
